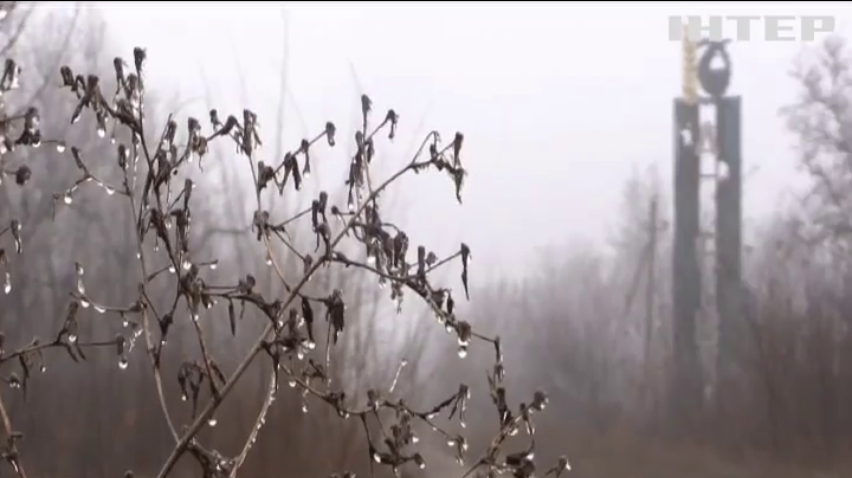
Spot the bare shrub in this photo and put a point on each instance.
(155, 173)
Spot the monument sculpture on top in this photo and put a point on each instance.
(714, 81)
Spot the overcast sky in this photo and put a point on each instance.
(558, 102)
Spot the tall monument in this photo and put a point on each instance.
(688, 377)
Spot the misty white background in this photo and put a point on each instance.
(558, 102)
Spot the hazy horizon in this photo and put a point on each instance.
(558, 103)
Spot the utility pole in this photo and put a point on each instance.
(650, 296)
